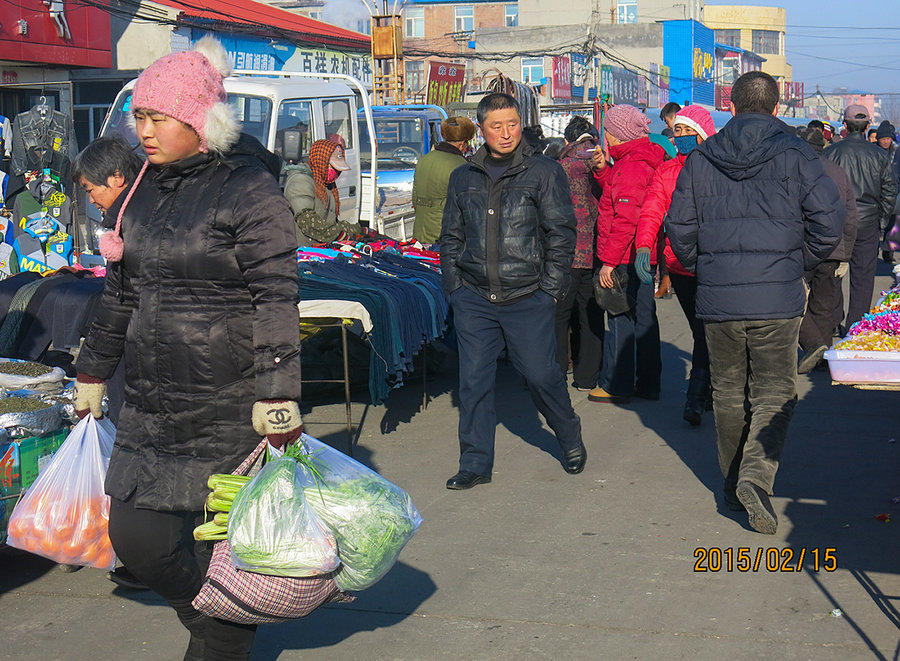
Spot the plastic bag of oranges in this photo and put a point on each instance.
(64, 515)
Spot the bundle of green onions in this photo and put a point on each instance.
(224, 487)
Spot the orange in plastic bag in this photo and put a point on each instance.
(64, 515)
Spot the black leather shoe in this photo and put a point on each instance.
(467, 480)
(574, 459)
(121, 576)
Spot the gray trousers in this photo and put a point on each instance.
(754, 379)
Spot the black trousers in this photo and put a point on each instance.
(686, 293)
(863, 261)
(158, 548)
(816, 327)
(580, 298)
(525, 328)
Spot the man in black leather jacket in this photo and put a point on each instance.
(869, 168)
(507, 244)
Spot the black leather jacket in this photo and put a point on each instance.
(869, 168)
(505, 239)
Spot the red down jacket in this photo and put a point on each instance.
(625, 184)
(654, 210)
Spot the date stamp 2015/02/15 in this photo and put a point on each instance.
(771, 559)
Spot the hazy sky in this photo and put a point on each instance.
(853, 44)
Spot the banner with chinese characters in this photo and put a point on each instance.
(582, 74)
(266, 55)
(445, 83)
(562, 77)
(621, 84)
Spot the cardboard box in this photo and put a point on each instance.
(21, 460)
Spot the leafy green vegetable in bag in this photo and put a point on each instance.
(273, 530)
(371, 518)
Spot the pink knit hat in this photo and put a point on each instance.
(626, 123)
(697, 118)
(188, 86)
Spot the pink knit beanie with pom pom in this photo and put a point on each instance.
(186, 86)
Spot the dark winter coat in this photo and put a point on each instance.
(844, 248)
(752, 209)
(507, 238)
(869, 168)
(204, 309)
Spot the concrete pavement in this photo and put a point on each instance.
(543, 565)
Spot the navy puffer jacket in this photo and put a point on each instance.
(752, 209)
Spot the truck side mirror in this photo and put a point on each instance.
(292, 145)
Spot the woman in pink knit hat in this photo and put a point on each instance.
(693, 124)
(201, 303)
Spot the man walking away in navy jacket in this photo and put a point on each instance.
(752, 210)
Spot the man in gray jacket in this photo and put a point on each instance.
(869, 168)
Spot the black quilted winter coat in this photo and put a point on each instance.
(505, 239)
(203, 307)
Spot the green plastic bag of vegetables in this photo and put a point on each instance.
(371, 518)
(273, 530)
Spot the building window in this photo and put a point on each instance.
(626, 11)
(415, 76)
(512, 16)
(767, 42)
(532, 70)
(415, 21)
(316, 15)
(464, 19)
(729, 38)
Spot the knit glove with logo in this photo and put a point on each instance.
(89, 393)
(278, 420)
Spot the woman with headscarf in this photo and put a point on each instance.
(313, 195)
(201, 301)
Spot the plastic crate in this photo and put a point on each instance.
(864, 366)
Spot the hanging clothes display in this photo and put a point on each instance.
(5, 154)
(43, 139)
(40, 236)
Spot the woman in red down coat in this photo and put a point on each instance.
(693, 125)
(631, 362)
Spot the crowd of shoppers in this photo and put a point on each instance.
(757, 223)
(550, 261)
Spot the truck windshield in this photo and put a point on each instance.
(400, 142)
(254, 113)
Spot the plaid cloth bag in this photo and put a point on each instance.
(250, 598)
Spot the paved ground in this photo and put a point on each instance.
(544, 565)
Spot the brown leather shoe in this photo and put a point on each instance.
(665, 288)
